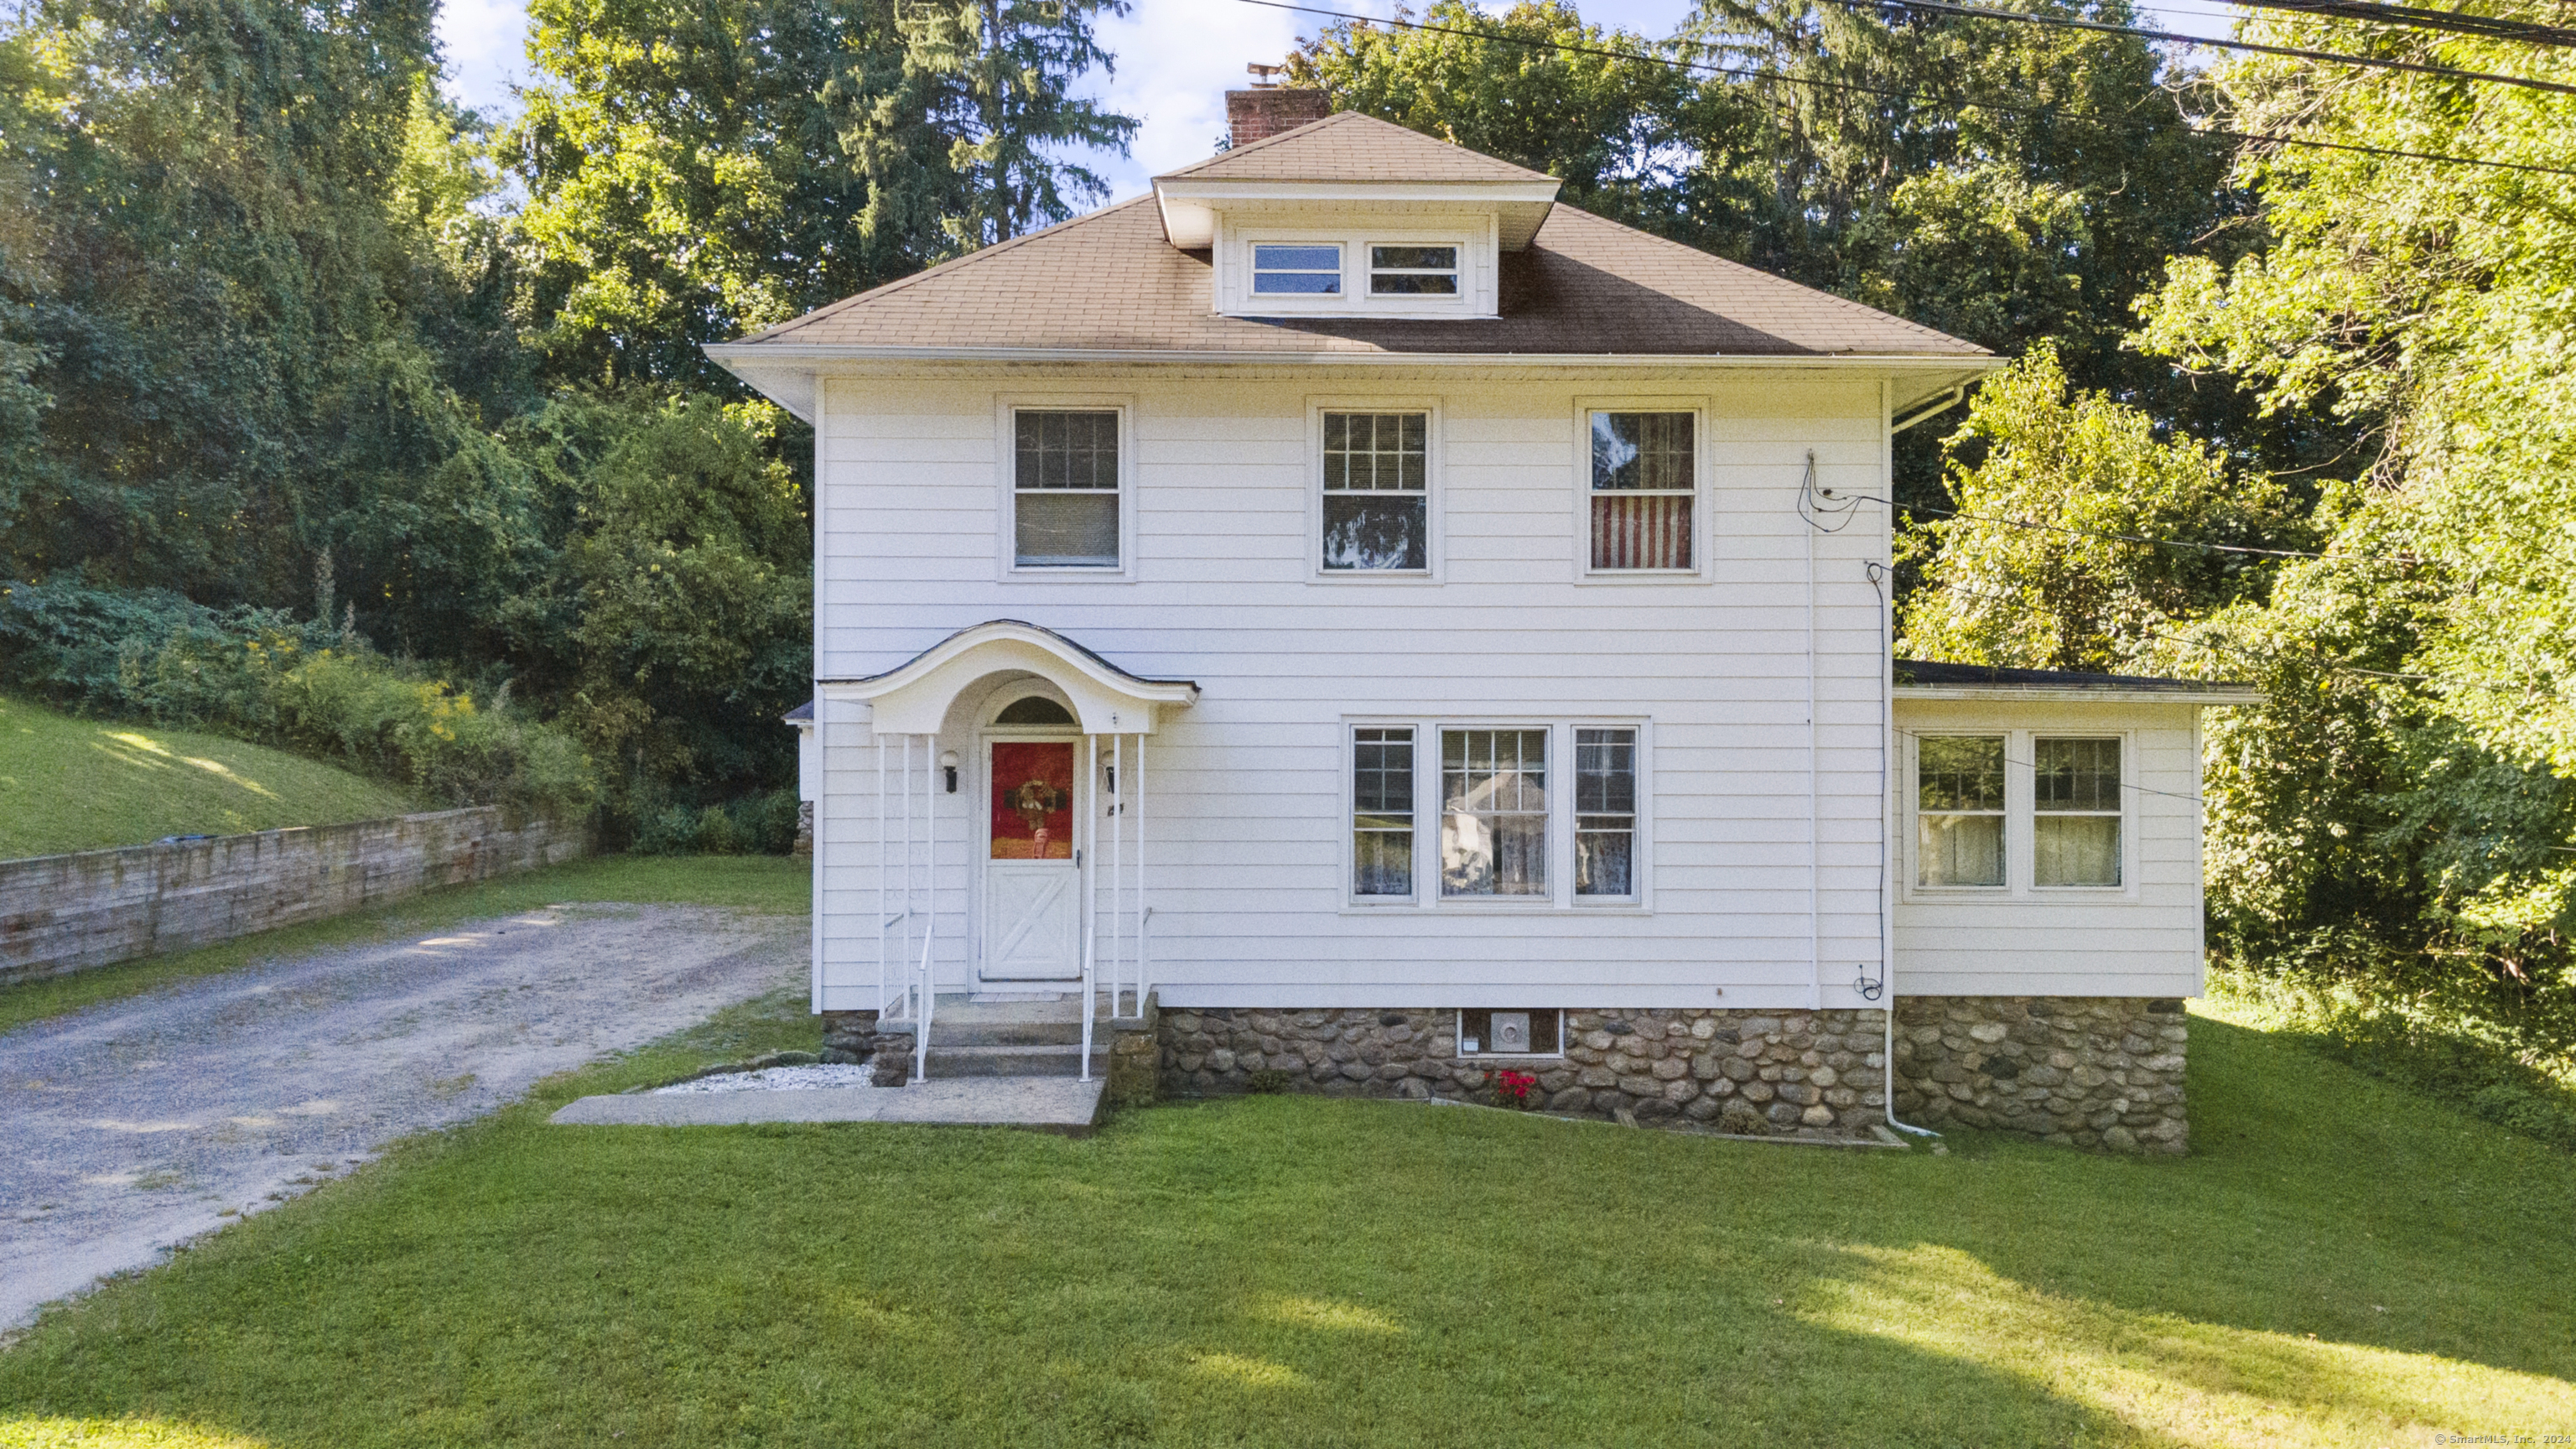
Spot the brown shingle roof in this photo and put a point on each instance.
(1586, 286)
(1348, 146)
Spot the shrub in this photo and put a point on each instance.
(258, 674)
(762, 823)
(1267, 1081)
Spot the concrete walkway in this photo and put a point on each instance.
(1048, 1104)
(142, 1123)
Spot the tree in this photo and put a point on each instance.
(697, 171)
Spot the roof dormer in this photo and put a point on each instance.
(1352, 217)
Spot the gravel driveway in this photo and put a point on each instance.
(139, 1124)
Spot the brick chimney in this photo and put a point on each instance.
(1268, 110)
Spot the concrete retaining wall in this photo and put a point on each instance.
(62, 913)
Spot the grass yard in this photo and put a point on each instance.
(766, 884)
(2338, 1263)
(78, 784)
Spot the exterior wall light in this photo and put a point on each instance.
(948, 762)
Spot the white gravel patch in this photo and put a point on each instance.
(776, 1079)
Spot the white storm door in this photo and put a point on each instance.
(1032, 880)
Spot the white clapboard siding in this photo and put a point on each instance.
(1246, 804)
(2143, 939)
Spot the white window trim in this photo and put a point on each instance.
(1702, 470)
(1458, 1037)
(2020, 790)
(1475, 239)
(1560, 897)
(1434, 551)
(1006, 509)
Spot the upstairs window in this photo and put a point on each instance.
(1377, 497)
(1413, 271)
(1959, 810)
(1308, 270)
(1644, 482)
(2075, 813)
(1064, 489)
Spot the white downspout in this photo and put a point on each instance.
(1890, 816)
(1815, 788)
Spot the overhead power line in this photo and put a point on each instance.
(2334, 57)
(2125, 537)
(1912, 97)
(2458, 22)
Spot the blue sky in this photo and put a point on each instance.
(1176, 59)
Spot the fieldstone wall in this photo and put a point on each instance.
(2099, 1072)
(851, 1038)
(1756, 1073)
(804, 847)
(61, 913)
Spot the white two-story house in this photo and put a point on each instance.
(1411, 629)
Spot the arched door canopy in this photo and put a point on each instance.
(914, 698)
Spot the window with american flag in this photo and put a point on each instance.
(1645, 485)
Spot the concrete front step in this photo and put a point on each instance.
(1012, 1059)
(1047, 1104)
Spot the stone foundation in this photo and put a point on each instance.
(1756, 1073)
(2097, 1072)
(852, 1038)
(804, 847)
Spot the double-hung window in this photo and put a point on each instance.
(2075, 812)
(1493, 812)
(1959, 810)
(1377, 498)
(1644, 483)
(1064, 488)
(1605, 812)
(1382, 811)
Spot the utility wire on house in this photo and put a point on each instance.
(2310, 661)
(2024, 523)
(1914, 97)
(2332, 57)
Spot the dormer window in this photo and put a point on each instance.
(1301, 271)
(1413, 271)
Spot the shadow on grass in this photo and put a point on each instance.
(2338, 1263)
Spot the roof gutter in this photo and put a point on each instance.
(2216, 694)
(757, 353)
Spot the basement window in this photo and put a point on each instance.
(1524, 1032)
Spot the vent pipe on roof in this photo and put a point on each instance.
(1270, 108)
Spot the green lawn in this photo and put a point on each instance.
(2337, 1263)
(78, 784)
(765, 884)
